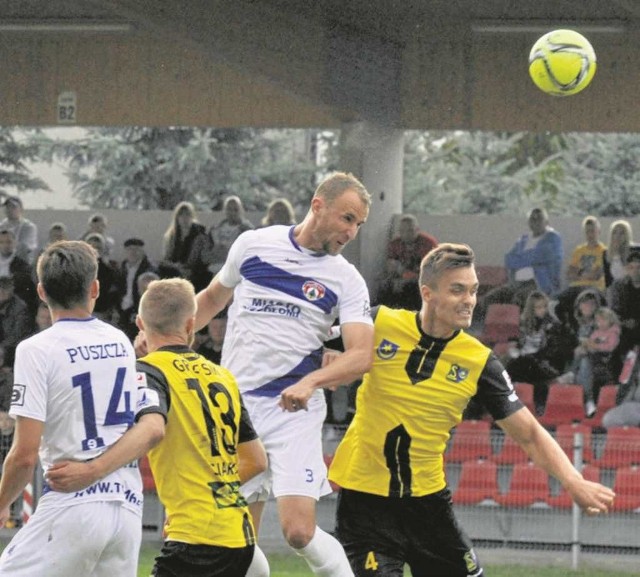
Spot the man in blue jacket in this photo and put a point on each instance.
(533, 263)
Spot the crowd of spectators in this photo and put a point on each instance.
(563, 321)
(577, 331)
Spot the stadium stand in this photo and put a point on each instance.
(565, 404)
(478, 482)
(470, 440)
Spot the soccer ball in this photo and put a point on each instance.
(562, 63)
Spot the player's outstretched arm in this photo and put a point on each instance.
(252, 459)
(68, 476)
(342, 370)
(545, 452)
(19, 463)
(211, 301)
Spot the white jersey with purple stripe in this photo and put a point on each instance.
(78, 377)
(285, 301)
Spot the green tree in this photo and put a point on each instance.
(145, 168)
(17, 148)
(460, 172)
(603, 174)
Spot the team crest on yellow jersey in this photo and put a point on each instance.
(457, 374)
(471, 561)
(386, 350)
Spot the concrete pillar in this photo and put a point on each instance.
(374, 154)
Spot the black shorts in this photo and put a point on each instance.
(381, 534)
(185, 560)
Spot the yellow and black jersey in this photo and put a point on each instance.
(195, 467)
(408, 403)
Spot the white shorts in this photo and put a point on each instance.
(293, 442)
(99, 539)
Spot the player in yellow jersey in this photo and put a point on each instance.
(395, 507)
(209, 447)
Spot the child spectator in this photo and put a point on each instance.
(591, 366)
(532, 357)
(584, 323)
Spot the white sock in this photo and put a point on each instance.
(259, 565)
(325, 556)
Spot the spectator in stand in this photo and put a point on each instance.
(57, 231)
(582, 326)
(108, 276)
(43, 317)
(279, 211)
(615, 257)
(534, 262)
(98, 223)
(399, 287)
(624, 299)
(135, 263)
(11, 264)
(211, 346)
(145, 279)
(626, 413)
(179, 238)
(534, 358)
(227, 230)
(586, 268)
(210, 250)
(594, 367)
(24, 231)
(15, 320)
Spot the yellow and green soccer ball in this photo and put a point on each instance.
(562, 63)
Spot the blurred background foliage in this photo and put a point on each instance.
(445, 172)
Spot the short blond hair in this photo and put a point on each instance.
(166, 305)
(338, 183)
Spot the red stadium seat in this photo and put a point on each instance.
(525, 394)
(621, 448)
(529, 484)
(606, 401)
(148, 482)
(565, 404)
(501, 349)
(627, 488)
(471, 440)
(478, 482)
(489, 277)
(511, 453)
(501, 324)
(563, 500)
(565, 437)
